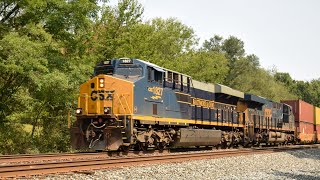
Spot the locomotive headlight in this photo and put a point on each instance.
(101, 82)
(107, 110)
(79, 111)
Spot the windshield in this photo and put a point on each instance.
(108, 70)
(129, 71)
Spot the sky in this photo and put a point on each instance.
(284, 34)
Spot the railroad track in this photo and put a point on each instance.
(48, 157)
(77, 165)
(27, 158)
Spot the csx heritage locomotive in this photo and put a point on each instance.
(131, 103)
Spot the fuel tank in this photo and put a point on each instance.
(197, 137)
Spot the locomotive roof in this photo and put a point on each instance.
(203, 86)
(219, 88)
(255, 98)
(215, 88)
(160, 68)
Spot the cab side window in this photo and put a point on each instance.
(150, 74)
(158, 76)
(169, 76)
(154, 75)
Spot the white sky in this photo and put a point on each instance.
(284, 34)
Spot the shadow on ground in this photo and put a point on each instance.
(287, 175)
(306, 153)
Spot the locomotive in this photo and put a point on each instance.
(131, 103)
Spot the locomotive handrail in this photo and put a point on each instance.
(86, 96)
(123, 105)
(127, 105)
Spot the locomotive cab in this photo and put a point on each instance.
(105, 106)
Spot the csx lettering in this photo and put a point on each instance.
(156, 90)
(203, 103)
(101, 95)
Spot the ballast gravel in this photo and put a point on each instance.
(301, 164)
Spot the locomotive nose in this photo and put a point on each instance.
(104, 105)
(104, 95)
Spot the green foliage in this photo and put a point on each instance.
(44, 57)
(233, 48)
(244, 72)
(22, 62)
(308, 91)
(14, 140)
(210, 67)
(285, 78)
(114, 25)
(213, 44)
(160, 41)
(259, 82)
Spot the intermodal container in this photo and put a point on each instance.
(306, 132)
(316, 116)
(303, 112)
(317, 129)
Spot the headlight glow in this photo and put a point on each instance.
(101, 82)
(79, 111)
(107, 110)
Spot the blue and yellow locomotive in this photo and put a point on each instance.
(131, 103)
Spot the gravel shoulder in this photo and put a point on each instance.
(301, 164)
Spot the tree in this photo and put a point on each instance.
(315, 92)
(22, 62)
(116, 23)
(233, 48)
(210, 67)
(213, 44)
(45, 46)
(284, 78)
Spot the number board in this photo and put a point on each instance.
(126, 61)
(107, 62)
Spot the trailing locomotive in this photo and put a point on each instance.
(131, 103)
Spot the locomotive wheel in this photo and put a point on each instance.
(143, 146)
(240, 146)
(136, 147)
(125, 149)
(224, 145)
(161, 146)
(218, 146)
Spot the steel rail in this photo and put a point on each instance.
(47, 157)
(25, 170)
(18, 170)
(21, 158)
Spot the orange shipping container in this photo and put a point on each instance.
(318, 132)
(306, 131)
(303, 112)
(316, 115)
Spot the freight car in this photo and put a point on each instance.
(131, 103)
(305, 115)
